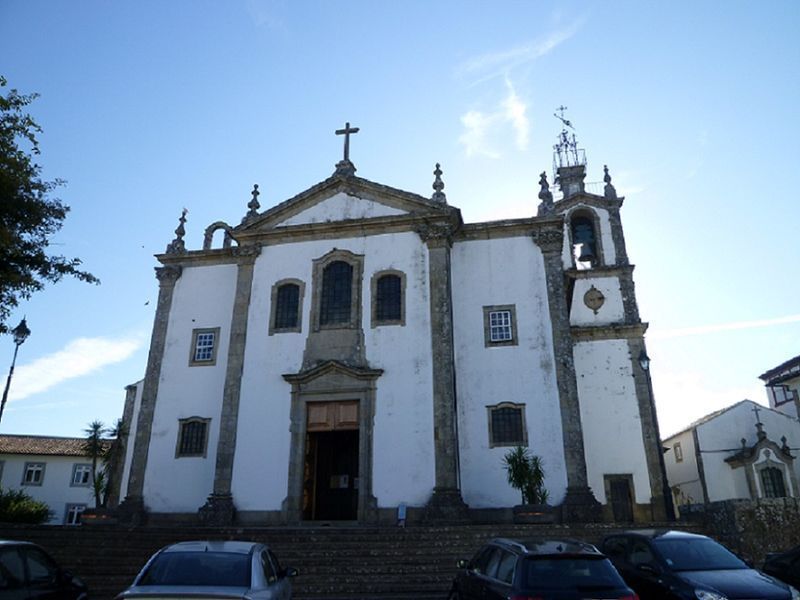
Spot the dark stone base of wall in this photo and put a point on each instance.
(132, 511)
(218, 511)
(580, 506)
(446, 506)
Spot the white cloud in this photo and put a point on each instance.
(483, 131)
(703, 329)
(494, 64)
(78, 358)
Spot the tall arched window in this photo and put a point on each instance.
(336, 298)
(772, 480)
(287, 304)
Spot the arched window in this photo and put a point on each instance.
(287, 303)
(389, 298)
(772, 480)
(337, 291)
(584, 241)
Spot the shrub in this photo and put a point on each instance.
(526, 474)
(18, 507)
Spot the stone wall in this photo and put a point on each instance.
(751, 528)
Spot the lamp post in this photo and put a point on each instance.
(644, 362)
(20, 333)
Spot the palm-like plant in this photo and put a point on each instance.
(96, 448)
(526, 474)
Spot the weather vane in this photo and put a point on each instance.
(566, 150)
(561, 118)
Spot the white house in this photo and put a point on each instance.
(783, 387)
(745, 451)
(358, 347)
(52, 469)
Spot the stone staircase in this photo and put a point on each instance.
(339, 563)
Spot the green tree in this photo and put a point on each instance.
(29, 215)
(18, 507)
(526, 474)
(95, 446)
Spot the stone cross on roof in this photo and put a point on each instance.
(344, 166)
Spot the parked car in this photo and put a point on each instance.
(214, 570)
(553, 569)
(27, 571)
(676, 565)
(785, 566)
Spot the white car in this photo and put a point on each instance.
(212, 569)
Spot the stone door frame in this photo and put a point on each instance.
(332, 382)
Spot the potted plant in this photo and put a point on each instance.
(526, 474)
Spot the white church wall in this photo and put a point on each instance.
(203, 298)
(501, 272)
(612, 310)
(403, 424)
(683, 473)
(341, 207)
(612, 433)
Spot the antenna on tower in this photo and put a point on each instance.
(566, 152)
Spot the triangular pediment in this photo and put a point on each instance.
(344, 199)
(586, 199)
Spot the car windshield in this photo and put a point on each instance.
(198, 568)
(697, 554)
(570, 572)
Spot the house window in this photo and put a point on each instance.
(204, 347)
(507, 425)
(388, 290)
(500, 325)
(286, 303)
(337, 292)
(74, 512)
(192, 437)
(772, 480)
(81, 475)
(678, 452)
(33, 474)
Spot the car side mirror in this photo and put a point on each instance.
(462, 563)
(290, 572)
(649, 568)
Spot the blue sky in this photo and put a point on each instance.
(150, 106)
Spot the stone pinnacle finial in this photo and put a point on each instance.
(253, 205)
(438, 186)
(609, 190)
(546, 196)
(177, 246)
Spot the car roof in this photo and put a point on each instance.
(16, 543)
(232, 547)
(549, 547)
(662, 534)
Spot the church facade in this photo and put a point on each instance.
(358, 350)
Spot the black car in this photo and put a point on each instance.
(27, 571)
(551, 569)
(785, 566)
(676, 565)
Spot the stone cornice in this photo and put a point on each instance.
(333, 366)
(196, 258)
(507, 228)
(599, 272)
(608, 332)
(586, 199)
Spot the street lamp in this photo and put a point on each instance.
(20, 333)
(644, 362)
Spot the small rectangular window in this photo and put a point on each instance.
(204, 347)
(33, 474)
(499, 325)
(74, 513)
(81, 475)
(192, 437)
(678, 452)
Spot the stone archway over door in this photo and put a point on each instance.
(333, 406)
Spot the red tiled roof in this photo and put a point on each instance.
(38, 444)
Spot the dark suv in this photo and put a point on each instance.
(27, 571)
(676, 565)
(552, 569)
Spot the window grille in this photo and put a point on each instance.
(337, 280)
(772, 480)
(193, 438)
(507, 426)
(286, 310)
(500, 326)
(389, 300)
(204, 346)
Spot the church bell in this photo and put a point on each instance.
(587, 252)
